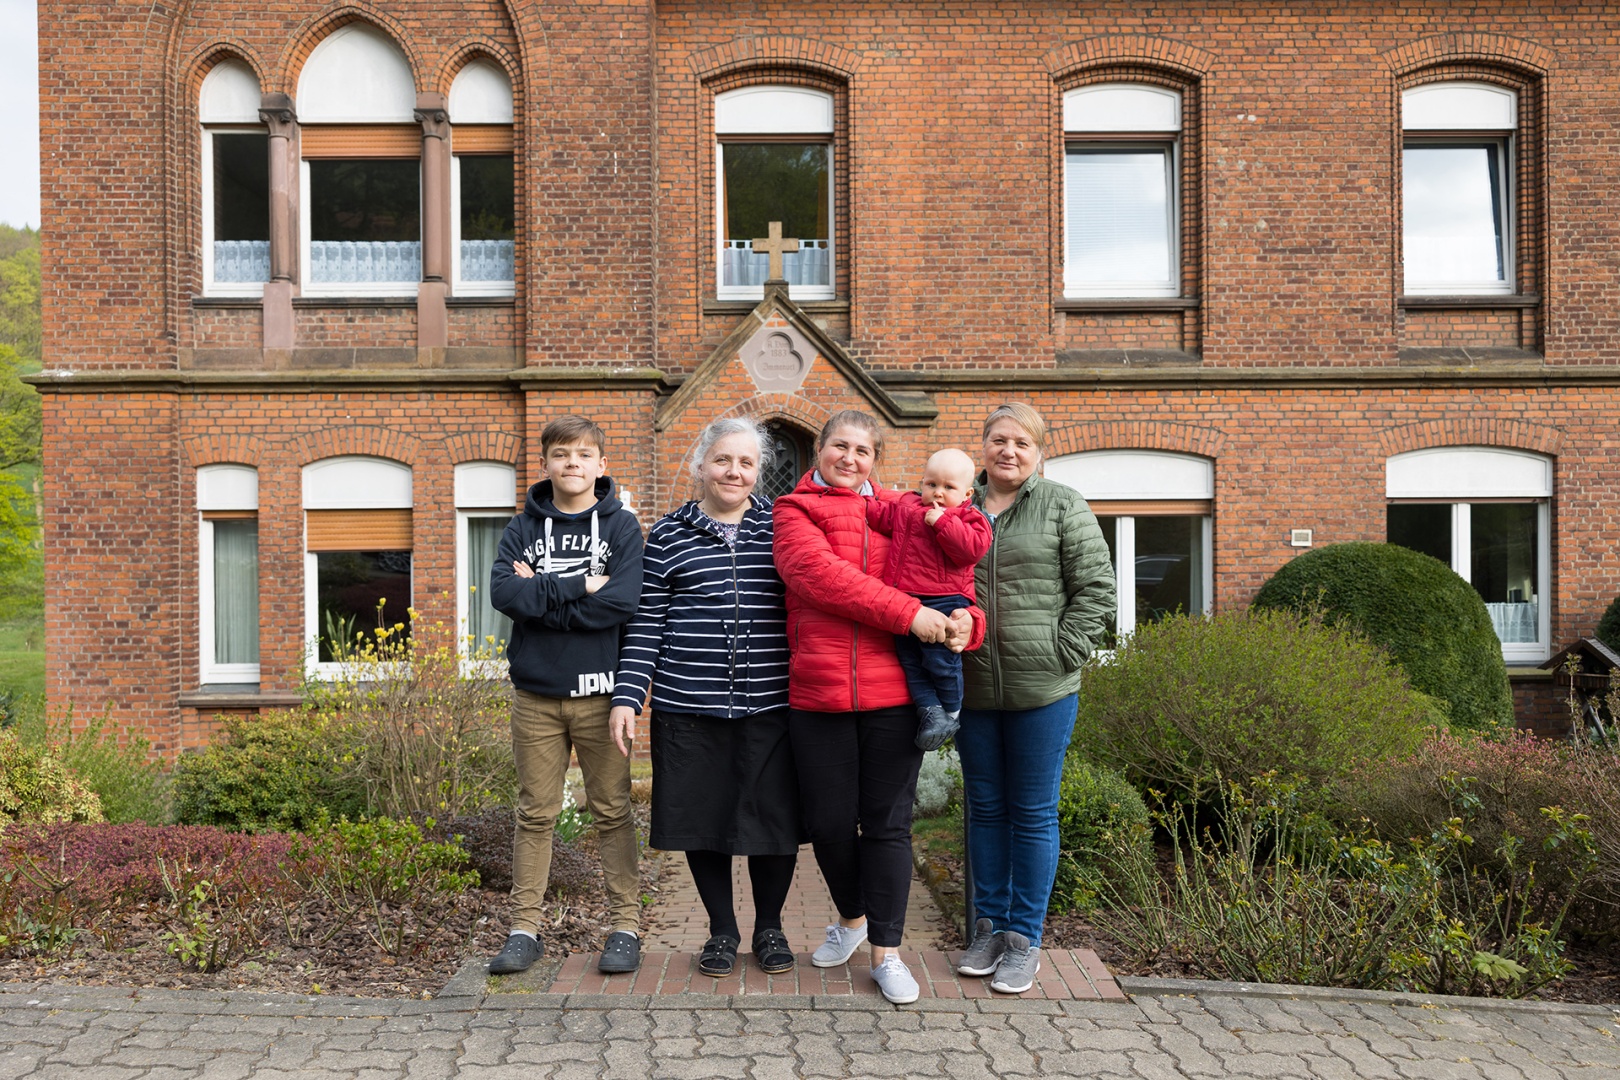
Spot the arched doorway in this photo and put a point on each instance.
(791, 459)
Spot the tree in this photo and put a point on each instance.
(21, 565)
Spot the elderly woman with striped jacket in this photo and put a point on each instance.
(710, 641)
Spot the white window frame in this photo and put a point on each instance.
(345, 483)
(775, 110)
(484, 489)
(219, 487)
(1464, 475)
(1461, 112)
(392, 289)
(1152, 117)
(1104, 476)
(457, 286)
(226, 105)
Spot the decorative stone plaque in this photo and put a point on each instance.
(777, 358)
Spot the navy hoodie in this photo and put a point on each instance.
(566, 643)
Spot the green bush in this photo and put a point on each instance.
(275, 772)
(35, 786)
(1608, 627)
(1097, 812)
(131, 784)
(1188, 700)
(1432, 622)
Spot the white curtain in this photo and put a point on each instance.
(236, 592)
(487, 260)
(365, 261)
(1119, 218)
(1515, 623)
(807, 266)
(483, 621)
(241, 260)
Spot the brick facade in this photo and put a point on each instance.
(1291, 359)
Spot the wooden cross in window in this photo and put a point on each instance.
(776, 247)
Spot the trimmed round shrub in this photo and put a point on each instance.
(1100, 818)
(275, 772)
(1188, 701)
(1432, 622)
(1608, 627)
(36, 787)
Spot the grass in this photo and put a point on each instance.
(940, 834)
(22, 658)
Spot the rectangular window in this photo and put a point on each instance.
(229, 597)
(1120, 210)
(485, 242)
(356, 593)
(790, 182)
(1161, 564)
(1455, 211)
(1499, 548)
(363, 220)
(487, 630)
(236, 211)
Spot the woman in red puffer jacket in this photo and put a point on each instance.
(850, 716)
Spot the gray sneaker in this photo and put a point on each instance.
(984, 951)
(841, 943)
(1016, 972)
(895, 982)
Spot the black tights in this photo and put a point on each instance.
(771, 875)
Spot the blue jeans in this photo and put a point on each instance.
(933, 672)
(1012, 764)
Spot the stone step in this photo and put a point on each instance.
(1065, 975)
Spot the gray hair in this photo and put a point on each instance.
(731, 425)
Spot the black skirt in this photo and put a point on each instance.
(724, 785)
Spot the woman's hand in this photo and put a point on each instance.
(930, 626)
(622, 723)
(960, 630)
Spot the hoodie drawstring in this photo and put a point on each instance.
(596, 551)
(545, 552)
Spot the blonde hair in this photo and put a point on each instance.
(1022, 414)
(854, 418)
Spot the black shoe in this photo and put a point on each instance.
(934, 726)
(622, 953)
(772, 953)
(518, 954)
(719, 956)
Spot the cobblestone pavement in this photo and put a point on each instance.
(1168, 1030)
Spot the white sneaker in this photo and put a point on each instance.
(894, 980)
(841, 943)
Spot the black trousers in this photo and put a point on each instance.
(857, 781)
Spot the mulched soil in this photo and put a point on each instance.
(1595, 980)
(128, 953)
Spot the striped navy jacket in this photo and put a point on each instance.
(710, 634)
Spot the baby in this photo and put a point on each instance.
(939, 537)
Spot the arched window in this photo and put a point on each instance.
(1485, 512)
(482, 182)
(1122, 191)
(1157, 514)
(486, 494)
(361, 213)
(228, 573)
(1457, 188)
(774, 163)
(235, 159)
(791, 458)
(357, 562)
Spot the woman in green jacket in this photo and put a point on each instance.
(1047, 587)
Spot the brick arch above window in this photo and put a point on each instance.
(236, 449)
(1114, 50)
(1135, 435)
(302, 41)
(205, 58)
(364, 441)
(1463, 48)
(473, 50)
(774, 51)
(484, 446)
(1473, 431)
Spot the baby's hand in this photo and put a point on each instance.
(933, 515)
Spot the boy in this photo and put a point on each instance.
(568, 573)
(939, 537)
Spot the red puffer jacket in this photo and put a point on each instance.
(841, 618)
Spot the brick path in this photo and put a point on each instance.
(677, 927)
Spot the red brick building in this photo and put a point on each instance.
(1277, 275)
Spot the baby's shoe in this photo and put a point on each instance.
(934, 726)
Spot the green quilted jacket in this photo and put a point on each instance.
(1047, 588)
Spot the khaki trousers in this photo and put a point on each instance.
(544, 730)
